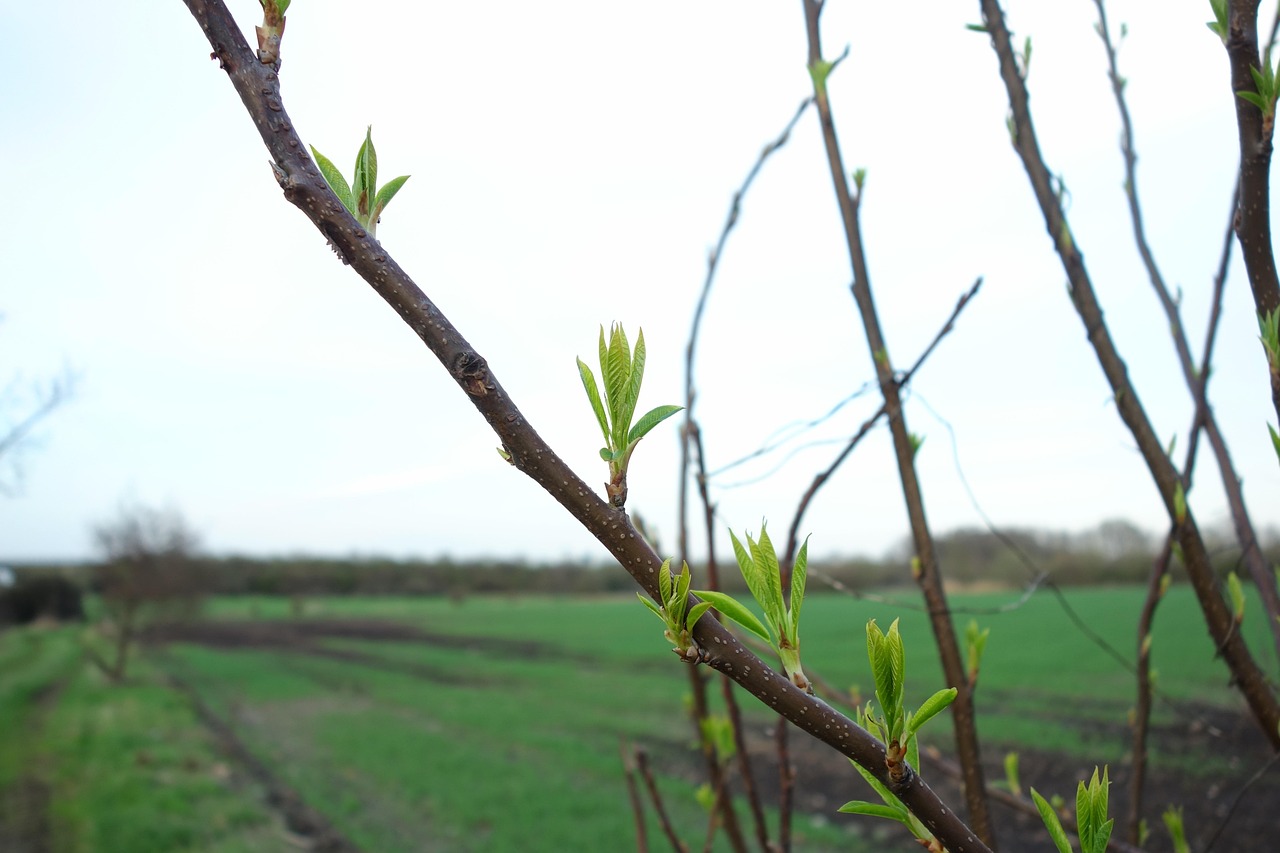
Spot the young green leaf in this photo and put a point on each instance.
(334, 179)
(873, 809)
(799, 574)
(931, 707)
(385, 195)
(593, 394)
(1275, 439)
(734, 610)
(650, 420)
(1051, 822)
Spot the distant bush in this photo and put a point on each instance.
(41, 595)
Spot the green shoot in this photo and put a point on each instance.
(361, 198)
(1179, 503)
(1092, 825)
(1219, 23)
(622, 371)
(1173, 823)
(1264, 79)
(678, 620)
(975, 644)
(1011, 774)
(897, 727)
(759, 565)
(1269, 334)
(1236, 592)
(271, 31)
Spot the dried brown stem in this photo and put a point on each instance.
(928, 576)
(1248, 677)
(259, 90)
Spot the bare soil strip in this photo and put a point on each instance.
(301, 819)
(24, 805)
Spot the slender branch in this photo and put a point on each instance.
(1235, 801)
(713, 264)
(642, 765)
(744, 764)
(793, 534)
(259, 90)
(633, 795)
(928, 575)
(1263, 578)
(1142, 710)
(786, 785)
(1248, 677)
(1253, 216)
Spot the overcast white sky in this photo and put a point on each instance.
(572, 163)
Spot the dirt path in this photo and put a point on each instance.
(24, 805)
(302, 820)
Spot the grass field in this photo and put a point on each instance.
(497, 726)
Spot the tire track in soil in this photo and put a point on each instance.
(25, 826)
(301, 819)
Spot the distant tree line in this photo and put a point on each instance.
(1115, 552)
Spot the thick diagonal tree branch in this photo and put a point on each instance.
(1248, 677)
(259, 89)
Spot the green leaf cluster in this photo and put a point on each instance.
(674, 611)
(362, 198)
(897, 727)
(758, 562)
(622, 371)
(1264, 80)
(1092, 824)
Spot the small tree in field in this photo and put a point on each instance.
(146, 567)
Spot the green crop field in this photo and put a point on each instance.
(496, 725)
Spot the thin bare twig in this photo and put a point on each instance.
(642, 765)
(793, 533)
(633, 794)
(713, 265)
(1235, 801)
